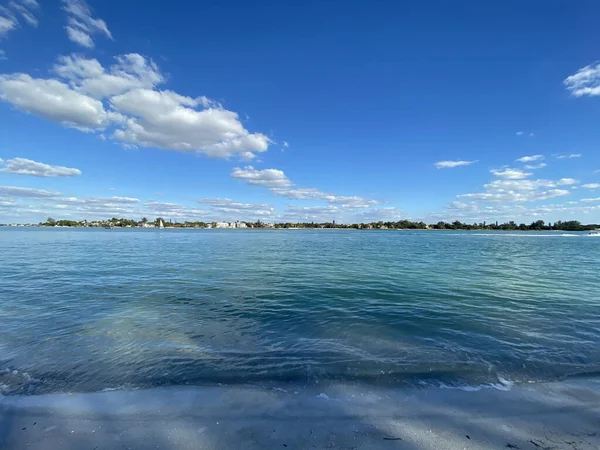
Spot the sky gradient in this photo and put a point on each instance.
(315, 111)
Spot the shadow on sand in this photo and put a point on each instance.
(564, 415)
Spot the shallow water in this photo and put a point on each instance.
(94, 309)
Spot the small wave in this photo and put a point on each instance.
(502, 385)
(527, 234)
(13, 381)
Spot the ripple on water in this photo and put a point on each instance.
(136, 308)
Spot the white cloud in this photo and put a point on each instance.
(519, 191)
(567, 181)
(7, 23)
(114, 199)
(299, 194)
(296, 213)
(131, 71)
(535, 166)
(172, 211)
(384, 214)
(571, 156)
(343, 201)
(349, 201)
(23, 166)
(13, 191)
(10, 14)
(526, 185)
(452, 164)
(100, 207)
(267, 177)
(511, 174)
(515, 197)
(2, 55)
(525, 159)
(168, 120)
(80, 37)
(53, 100)
(123, 97)
(591, 186)
(26, 9)
(479, 211)
(285, 144)
(590, 200)
(586, 81)
(165, 121)
(280, 184)
(81, 26)
(240, 210)
(520, 133)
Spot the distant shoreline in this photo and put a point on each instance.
(161, 223)
(478, 230)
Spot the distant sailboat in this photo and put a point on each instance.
(161, 224)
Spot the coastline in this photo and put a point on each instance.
(553, 415)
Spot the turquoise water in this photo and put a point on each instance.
(94, 309)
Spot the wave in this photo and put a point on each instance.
(527, 234)
(502, 385)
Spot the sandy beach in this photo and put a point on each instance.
(561, 415)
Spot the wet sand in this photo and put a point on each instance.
(562, 415)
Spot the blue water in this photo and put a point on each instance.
(91, 309)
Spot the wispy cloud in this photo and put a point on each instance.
(232, 209)
(511, 174)
(535, 166)
(23, 166)
(572, 155)
(591, 186)
(532, 158)
(523, 133)
(452, 164)
(514, 188)
(12, 15)
(265, 177)
(81, 26)
(14, 191)
(586, 81)
(279, 184)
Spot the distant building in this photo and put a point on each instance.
(240, 225)
(222, 225)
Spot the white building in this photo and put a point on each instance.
(223, 225)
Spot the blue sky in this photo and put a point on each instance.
(347, 111)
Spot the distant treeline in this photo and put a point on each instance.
(539, 225)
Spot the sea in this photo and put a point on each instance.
(89, 310)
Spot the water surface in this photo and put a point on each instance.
(94, 309)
